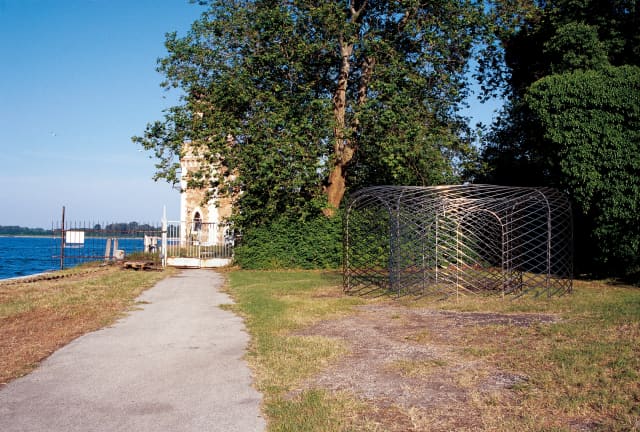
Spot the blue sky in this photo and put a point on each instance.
(77, 81)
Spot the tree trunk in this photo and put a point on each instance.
(344, 146)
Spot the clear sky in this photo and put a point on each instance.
(77, 81)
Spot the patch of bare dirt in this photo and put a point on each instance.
(410, 365)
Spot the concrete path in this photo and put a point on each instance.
(175, 365)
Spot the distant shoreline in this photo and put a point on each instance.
(27, 236)
(52, 236)
(27, 255)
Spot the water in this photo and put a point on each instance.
(24, 256)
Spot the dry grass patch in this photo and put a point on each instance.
(275, 306)
(422, 368)
(38, 317)
(569, 363)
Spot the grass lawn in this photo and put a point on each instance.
(329, 362)
(569, 363)
(38, 317)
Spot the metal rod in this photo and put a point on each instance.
(62, 234)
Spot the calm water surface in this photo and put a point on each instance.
(23, 256)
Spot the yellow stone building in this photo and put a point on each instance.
(203, 211)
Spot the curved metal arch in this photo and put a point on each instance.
(418, 251)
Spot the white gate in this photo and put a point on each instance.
(197, 244)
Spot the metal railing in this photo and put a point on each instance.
(76, 243)
(198, 240)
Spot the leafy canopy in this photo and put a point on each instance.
(303, 99)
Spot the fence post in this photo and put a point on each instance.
(62, 234)
(107, 250)
(164, 237)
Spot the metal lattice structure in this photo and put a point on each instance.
(453, 239)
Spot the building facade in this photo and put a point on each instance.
(203, 212)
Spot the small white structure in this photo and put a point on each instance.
(74, 238)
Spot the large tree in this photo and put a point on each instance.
(303, 98)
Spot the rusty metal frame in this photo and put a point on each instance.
(458, 239)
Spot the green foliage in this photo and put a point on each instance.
(316, 243)
(592, 130)
(127, 227)
(576, 46)
(559, 36)
(570, 118)
(564, 35)
(303, 86)
(145, 256)
(368, 234)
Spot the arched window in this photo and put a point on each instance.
(197, 221)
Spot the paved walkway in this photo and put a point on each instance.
(175, 365)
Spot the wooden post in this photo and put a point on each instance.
(107, 250)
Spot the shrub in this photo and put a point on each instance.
(591, 121)
(284, 244)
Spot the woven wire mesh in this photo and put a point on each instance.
(452, 239)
